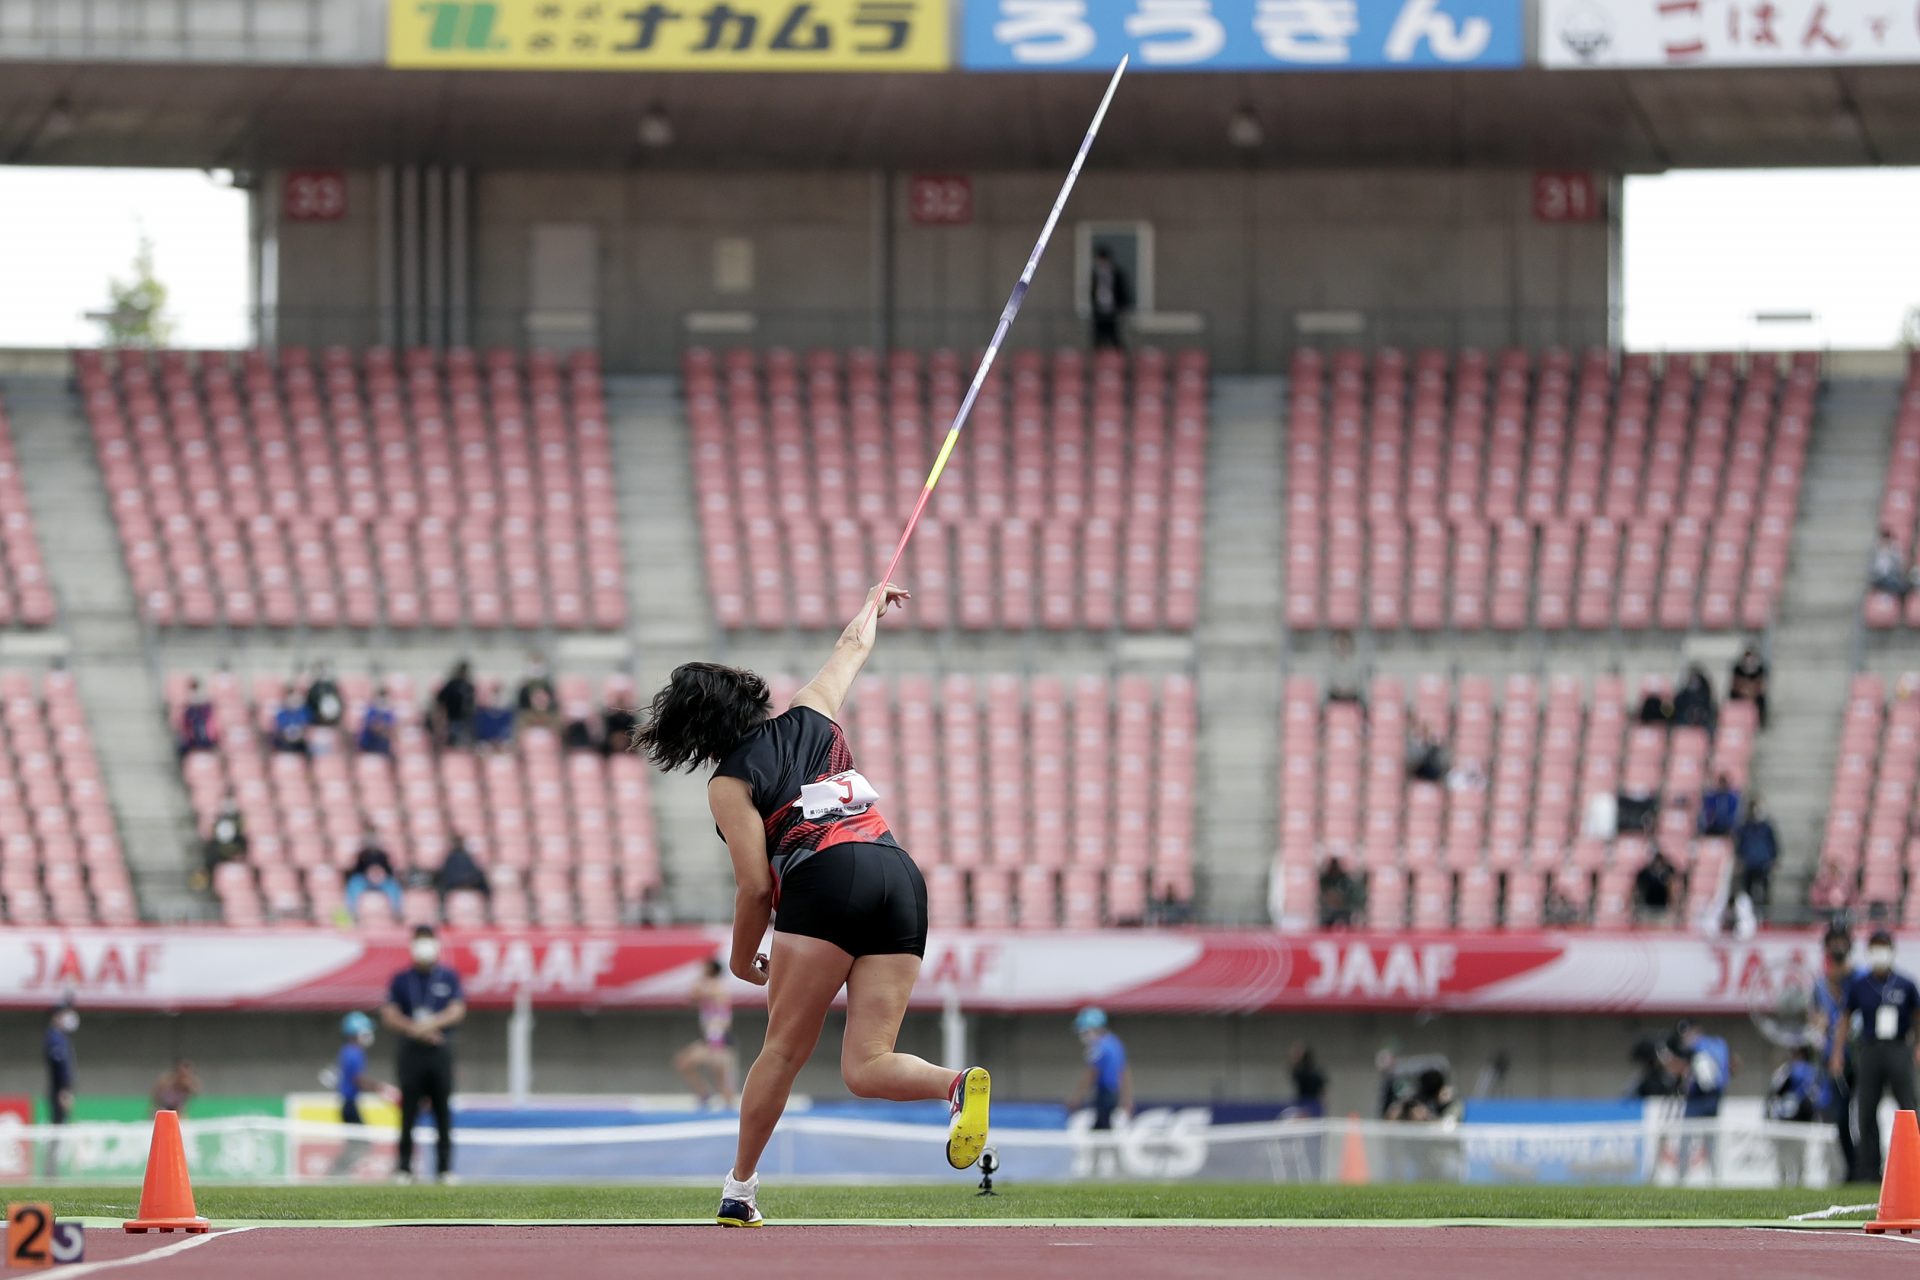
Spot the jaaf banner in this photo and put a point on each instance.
(1180, 971)
(1242, 35)
(1727, 33)
(687, 35)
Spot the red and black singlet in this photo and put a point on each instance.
(809, 795)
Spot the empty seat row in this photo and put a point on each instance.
(1870, 849)
(60, 855)
(408, 494)
(26, 596)
(1473, 491)
(1094, 465)
(1900, 508)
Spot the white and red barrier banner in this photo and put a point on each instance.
(1167, 970)
(1727, 33)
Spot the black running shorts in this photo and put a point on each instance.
(866, 899)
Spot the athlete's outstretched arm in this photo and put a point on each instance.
(731, 800)
(828, 689)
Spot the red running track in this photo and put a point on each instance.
(1057, 1253)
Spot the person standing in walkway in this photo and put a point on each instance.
(57, 1049)
(1110, 296)
(1880, 1013)
(424, 1005)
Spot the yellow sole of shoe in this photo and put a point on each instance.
(967, 1137)
(735, 1222)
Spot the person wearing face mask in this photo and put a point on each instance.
(1880, 1013)
(58, 1051)
(424, 1005)
(1828, 1025)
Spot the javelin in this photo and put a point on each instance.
(1014, 300)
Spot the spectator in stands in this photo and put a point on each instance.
(325, 706)
(1888, 572)
(1656, 708)
(290, 723)
(493, 720)
(1309, 1085)
(1426, 755)
(1169, 908)
(199, 730)
(1756, 846)
(176, 1087)
(1719, 808)
(1693, 706)
(1560, 911)
(377, 725)
(372, 870)
(226, 838)
(1636, 811)
(458, 870)
(1110, 294)
(618, 723)
(581, 734)
(1749, 681)
(1346, 679)
(537, 702)
(1653, 887)
(454, 705)
(1338, 894)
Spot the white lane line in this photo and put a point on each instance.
(75, 1271)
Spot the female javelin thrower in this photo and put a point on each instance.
(848, 906)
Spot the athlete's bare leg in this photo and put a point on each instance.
(805, 975)
(877, 992)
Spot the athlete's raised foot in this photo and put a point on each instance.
(967, 1126)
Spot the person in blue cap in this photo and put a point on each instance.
(350, 1068)
(1108, 1084)
(350, 1080)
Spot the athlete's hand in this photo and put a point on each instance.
(887, 596)
(756, 973)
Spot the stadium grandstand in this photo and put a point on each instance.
(1337, 653)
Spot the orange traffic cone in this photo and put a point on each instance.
(1900, 1188)
(166, 1197)
(1353, 1154)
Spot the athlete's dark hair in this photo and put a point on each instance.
(701, 715)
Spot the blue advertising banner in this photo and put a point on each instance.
(1242, 35)
(1584, 1142)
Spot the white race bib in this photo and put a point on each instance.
(841, 796)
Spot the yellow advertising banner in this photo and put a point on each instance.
(670, 35)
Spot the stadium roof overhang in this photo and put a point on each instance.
(254, 117)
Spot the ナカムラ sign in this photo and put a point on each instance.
(693, 35)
